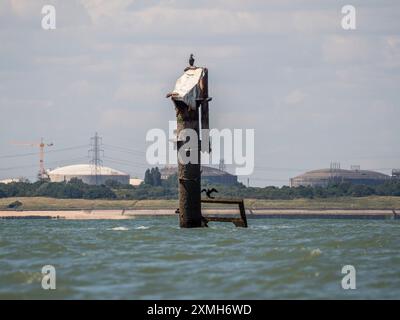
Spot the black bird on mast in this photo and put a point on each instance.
(191, 60)
(209, 192)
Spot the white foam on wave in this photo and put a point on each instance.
(262, 227)
(119, 229)
(269, 227)
(142, 228)
(316, 252)
(31, 277)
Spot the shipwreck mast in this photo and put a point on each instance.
(189, 97)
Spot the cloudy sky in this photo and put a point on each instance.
(313, 92)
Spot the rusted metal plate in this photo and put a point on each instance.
(238, 222)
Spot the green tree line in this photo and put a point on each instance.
(157, 188)
(74, 189)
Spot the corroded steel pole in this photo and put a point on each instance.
(189, 145)
(189, 175)
(191, 99)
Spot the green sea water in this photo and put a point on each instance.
(151, 258)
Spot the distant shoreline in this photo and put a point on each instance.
(251, 214)
(374, 207)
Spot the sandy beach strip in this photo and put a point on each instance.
(256, 213)
(71, 215)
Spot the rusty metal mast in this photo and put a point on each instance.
(189, 174)
(190, 97)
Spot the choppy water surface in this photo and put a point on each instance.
(151, 258)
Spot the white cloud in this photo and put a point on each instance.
(109, 64)
(123, 118)
(295, 97)
(349, 49)
(136, 92)
(392, 52)
(24, 8)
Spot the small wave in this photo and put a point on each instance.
(142, 228)
(119, 229)
(273, 227)
(262, 227)
(316, 252)
(285, 227)
(27, 277)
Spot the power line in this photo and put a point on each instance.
(68, 149)
(20, 155)
(37, 153)
(59, 162)
(49, 163)
(266, 179)
(125, 163)
(262, 168)
(19, 167)
(124, 149)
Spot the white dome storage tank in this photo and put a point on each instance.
(87, 173)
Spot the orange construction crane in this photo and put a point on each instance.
(41, 145)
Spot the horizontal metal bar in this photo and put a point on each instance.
(226, 201)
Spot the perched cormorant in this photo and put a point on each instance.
(191, 60)
(209, 191)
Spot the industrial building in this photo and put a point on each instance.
(135, 182)
(208, 174)
(89, 174)
(323, 177)
(8, 181)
